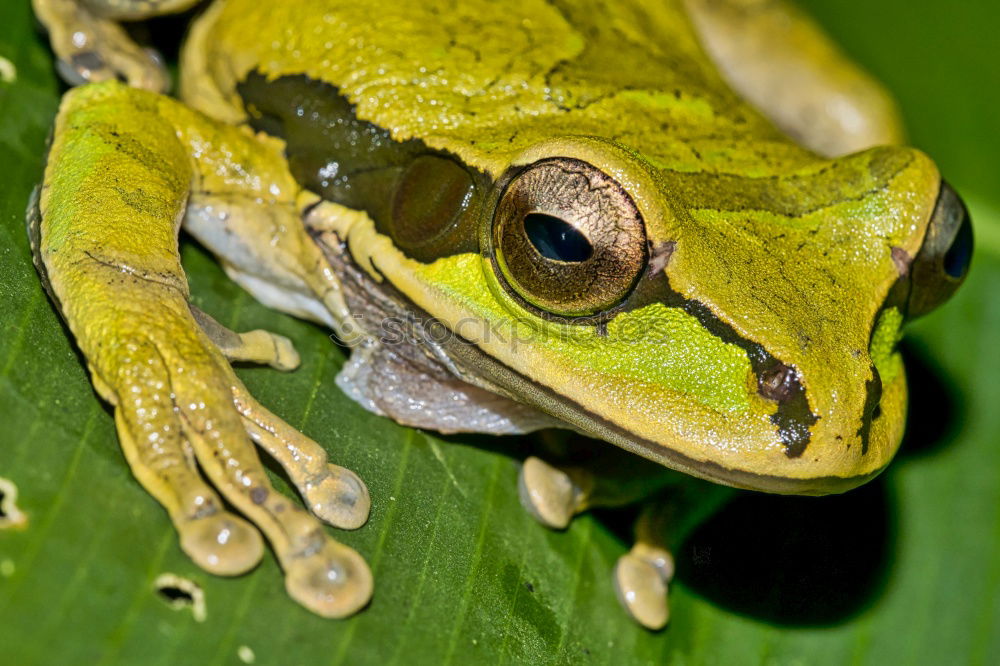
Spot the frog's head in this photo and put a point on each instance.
(739, 328)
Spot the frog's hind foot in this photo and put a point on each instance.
(776, 57)
(92, 48)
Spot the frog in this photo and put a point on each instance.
(689, 230)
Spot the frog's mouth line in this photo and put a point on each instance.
(572, 413)
(471, 360)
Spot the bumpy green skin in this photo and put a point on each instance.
(792, 251)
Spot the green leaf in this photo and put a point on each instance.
(904, 570)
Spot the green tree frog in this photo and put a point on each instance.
(683, 227)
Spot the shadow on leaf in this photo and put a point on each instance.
(813, 561)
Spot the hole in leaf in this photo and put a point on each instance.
(175, 596)
(10, 515)
(180, 593)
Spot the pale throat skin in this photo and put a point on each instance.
(619, 243)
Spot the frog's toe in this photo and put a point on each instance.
(334, 494)
(552, 495)
(222, 544)
(324, 576)
(257, 346)
(338, 497)
(330, 579)
(286, 357)
(263, 347)
(216, 540)
(641, 580)
(91, 48)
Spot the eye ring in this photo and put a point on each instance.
(567, 239)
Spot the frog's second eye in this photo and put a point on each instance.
(943, 261)
(567, 238)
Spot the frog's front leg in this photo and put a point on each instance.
(121, 173)
(673, 505)
(556, 492)
(92, 46)
(642, 576)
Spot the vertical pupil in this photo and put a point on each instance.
(556, 239)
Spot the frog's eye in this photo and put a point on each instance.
(944, 257)
(567, 238)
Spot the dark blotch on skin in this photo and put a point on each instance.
(871, 411)
(427, 200)
(776, 380)
(780, 382)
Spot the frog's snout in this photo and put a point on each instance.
(944, 257)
